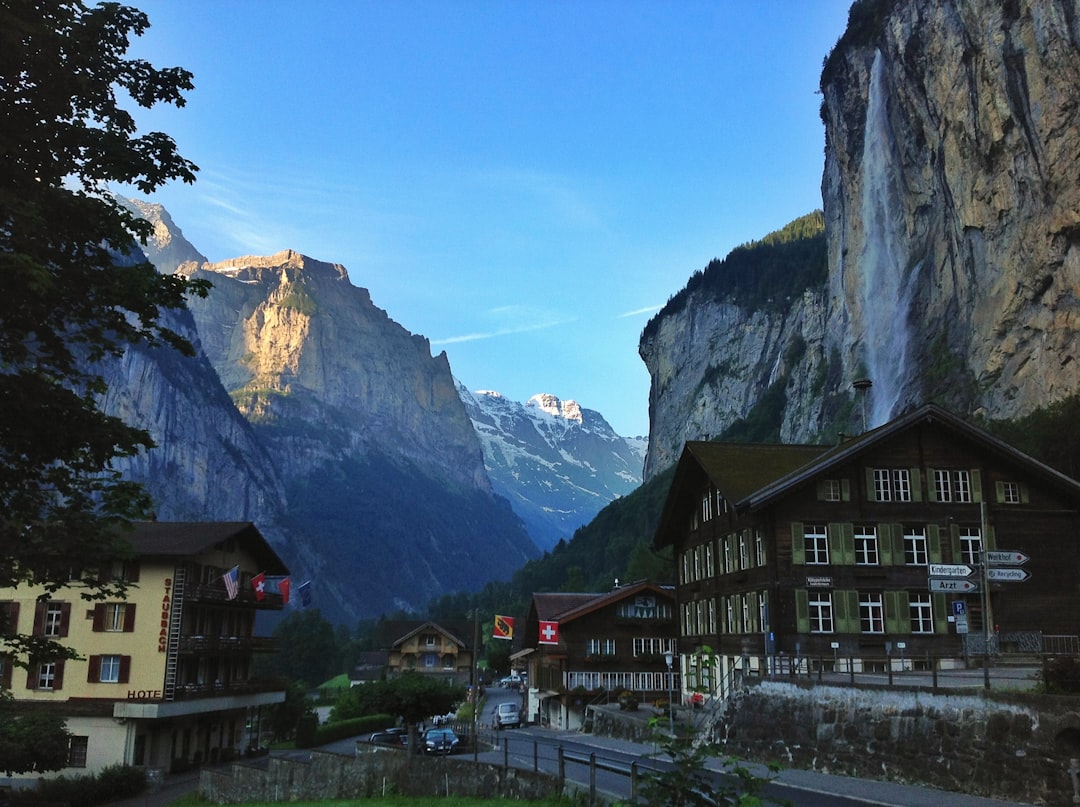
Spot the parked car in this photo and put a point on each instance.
(507, 715)
(440, 741)
(393, 736)
(512, 681)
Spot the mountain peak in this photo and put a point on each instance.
(552, 405)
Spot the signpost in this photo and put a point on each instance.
(1007, 574)
(953, 585)
(959, 608)
(950, 570)
(1006, 557)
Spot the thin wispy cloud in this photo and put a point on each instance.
(649, 309)
(522, 319)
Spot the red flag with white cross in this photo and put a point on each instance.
(549, 632)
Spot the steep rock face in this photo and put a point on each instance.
(952, 217)
(952, 203)
(166, 248)
(557, 463)
(293, 339)
(207, 463)
(384, 500)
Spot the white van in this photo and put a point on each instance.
(507, 715)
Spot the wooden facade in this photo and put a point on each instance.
(787, 554)
(608, 643)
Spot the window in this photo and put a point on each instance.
(652, 646)
(970, 544)
(871, 613)
(952, 486)
(429, 660)
(110, 669)
(600, 647)
(866, 546)
(644, 607)
(922, 613)
(53, 616)
(915, 549)
(710, 563)
(732, 622)
(759, 547)
(892, 485)
(707, 506)
(729, 563)
(744, 556)
(430, 640)
(831, 490)
(821, 612)
(46, 677)
(5, 672)
(816, 542)
(114, 616)
(77, 752)
(1010, 493)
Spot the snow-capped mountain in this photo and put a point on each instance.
(557, 463)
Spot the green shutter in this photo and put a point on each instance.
(954, 540)
(798, 544)
(976, 485)
(847, 536)
(1025, 495)
(836, 548)
(931, 485)
(916, 485)
(941, 613)
(897, 612)
(933, 538)
(845, 490)
(846, 602)
(999, 492)
(802, 611)
(871, 495)
(821, 490)
(755, 613)
(884, 544)
(991, 540)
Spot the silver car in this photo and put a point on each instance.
(507, 715)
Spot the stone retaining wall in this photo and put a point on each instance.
(333, 776)
(1017, 750)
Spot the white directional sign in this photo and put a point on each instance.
(953, 585)
(950, 570)
(1011, 574)
(1006, 557)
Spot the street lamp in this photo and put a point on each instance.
(669, 657)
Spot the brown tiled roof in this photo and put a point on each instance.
(739, 469)
(565, 607)
(189, 538)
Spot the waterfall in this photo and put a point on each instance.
(886, 293)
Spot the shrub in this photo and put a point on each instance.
(111, 784)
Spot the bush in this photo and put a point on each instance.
(306, 729)
(1061, 675)
(111, 784)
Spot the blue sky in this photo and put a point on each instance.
(523, 183)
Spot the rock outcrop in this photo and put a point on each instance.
(952, 216)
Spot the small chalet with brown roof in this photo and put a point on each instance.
(607, 643)
(797, 558)
(431, 648)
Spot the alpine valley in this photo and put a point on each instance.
(373, 472)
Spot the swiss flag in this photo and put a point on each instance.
(258, 582)
(549, 632)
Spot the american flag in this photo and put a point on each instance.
(232, 581)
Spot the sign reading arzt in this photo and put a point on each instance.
(953, 585)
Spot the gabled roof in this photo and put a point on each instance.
(734, 469)
(929, 413)
(184, 539)
(428, 627)
(563, 607)
(753, 476)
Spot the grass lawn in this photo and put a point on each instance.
(392, 801)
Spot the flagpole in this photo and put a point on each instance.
(476, 682)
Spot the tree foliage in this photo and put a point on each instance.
(31, 742)
(765, 274)
(74, 289)
(414, 697)
(308, 650)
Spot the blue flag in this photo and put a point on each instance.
(304, 592)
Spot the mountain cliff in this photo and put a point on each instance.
(557, 463)
(310, 412)
(951, 219)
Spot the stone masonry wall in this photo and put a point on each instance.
(1018, 750)
(333, 776)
